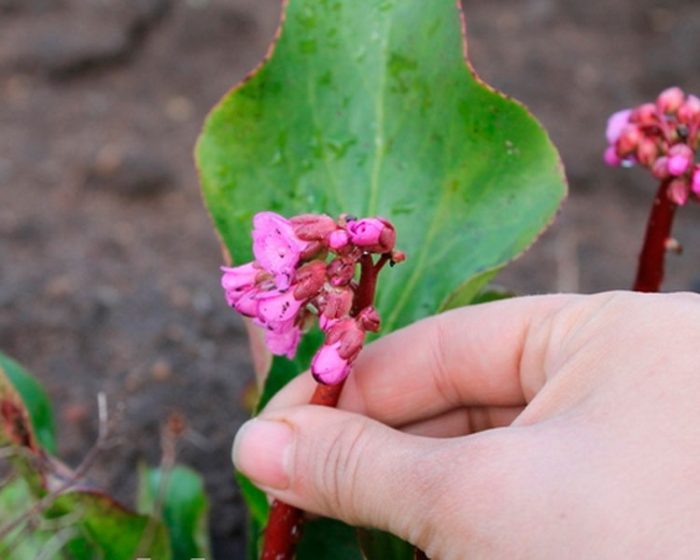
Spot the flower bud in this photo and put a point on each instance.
(349, 334)
(670, 100)
(660, 168)
(309, 280)
(341, 271)
(328, 367)
(680, 157)
(338, 239)
(336, 303)
(313, 227)
(397, 257)
(375, 235)
(647, 152)
(689, 112)
(628, 140)
(678, 191)
(644, 115)
(369, 319)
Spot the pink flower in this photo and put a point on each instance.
(616, 124)
(680, 157)
(689, 112)
(238, 280)
(284, 342)
(670, 100)
(328, 367)
(277, 309)
(695, 185)
(373, 234)
(276, 247)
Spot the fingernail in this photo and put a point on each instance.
(261, 451)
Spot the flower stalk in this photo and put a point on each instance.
(284, 525)
(306, 267)
(650, 271)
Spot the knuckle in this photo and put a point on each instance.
(338, 479)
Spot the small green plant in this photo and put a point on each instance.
(50, 511)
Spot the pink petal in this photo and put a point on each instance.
(237, 280)
(616, 123)
(247, 304)
(276, 247)
(276, 307)
(283, 343)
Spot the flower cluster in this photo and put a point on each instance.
(662, 136)
(305, 267)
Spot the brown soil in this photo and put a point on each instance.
(108, 261)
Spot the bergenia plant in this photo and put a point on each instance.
(663, 137)
(311, 267)
(367, 108)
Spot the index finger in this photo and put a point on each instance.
(472, 356)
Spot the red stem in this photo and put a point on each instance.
(284, 525)
(650, 271)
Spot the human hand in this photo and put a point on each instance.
(541, 427)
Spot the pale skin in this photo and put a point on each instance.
(549, 427)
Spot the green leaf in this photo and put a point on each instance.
(35, 401)
(378, 545)
(255, 499)
(327, 539)
(119, 533)
(369, 108)
(184, 507)
(493, 293)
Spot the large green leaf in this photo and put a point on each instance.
(368, 107)
(34, 400)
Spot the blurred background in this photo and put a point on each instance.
(108, 261)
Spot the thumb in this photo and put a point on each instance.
(343, 465)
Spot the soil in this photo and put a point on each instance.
(108, 261)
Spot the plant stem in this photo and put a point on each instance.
(284, 525)
(650, 271)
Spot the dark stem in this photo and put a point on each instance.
(650, 271)
(285, 522)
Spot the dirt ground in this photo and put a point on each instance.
(108, 261)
